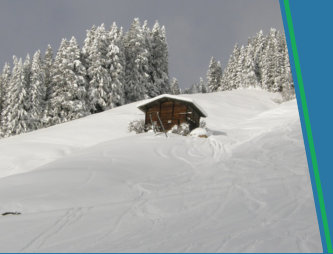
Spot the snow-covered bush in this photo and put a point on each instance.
(174, 129)
(137, 125)
(183, 129)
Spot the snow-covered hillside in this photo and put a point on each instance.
(90, 186)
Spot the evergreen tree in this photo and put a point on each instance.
(137, 76)
(68, 92)
(88, 46)
(214, 75)
(99, 87)
(234, 68)
(239, 78)
(1, 97)
(279, 63)
(47, 65)
(203, 86)
(164, 67)
(228, 76)
(151, 88)
(158, 61)
(26, 77)
(194, 88)
(57, 87)
(116, 56)
(37, 92)
(249, 78)
(259, 43)
(288, 89)
(77, 82)
(174, 87)
(4, 86)
(272, 60)
(187, 90)
(15, 116)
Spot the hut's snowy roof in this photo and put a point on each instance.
(142, 105)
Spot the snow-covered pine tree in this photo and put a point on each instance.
(58, 87)
(87, 46)
(203, 86)
(137, 66)
(37, 92)
(116, 55)
(214, 75)
(164, 62)
(249, 78)
(259, 43)
(77, 82)
(99, 88)
(4, 85)
(15, 116)
(195, 88)
(239, 78)
(175, 87)
(27, 73)
(26, 83)
(151, 89)
(1, 106)
(287, 71)
(232, 72)
(187, 90)
(47, 65)
(288, 89)
(67, 100)
(158, 61)
(229, 71)
(279, 63)
(226, 76)
(269, 71)
(1, 97)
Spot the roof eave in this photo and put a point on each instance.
(142, 106)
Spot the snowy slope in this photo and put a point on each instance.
(90, 186)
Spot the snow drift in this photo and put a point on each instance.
(90, 186)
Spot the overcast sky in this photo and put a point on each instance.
(196, 29)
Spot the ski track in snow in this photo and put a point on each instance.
(71, 216)
(245, 188)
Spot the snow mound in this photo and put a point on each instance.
(199, 132)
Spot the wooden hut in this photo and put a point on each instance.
(171, 110)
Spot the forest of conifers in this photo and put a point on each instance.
(114, 67)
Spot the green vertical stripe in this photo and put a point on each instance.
(308, 128)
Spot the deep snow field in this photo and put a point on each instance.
(90, 186)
